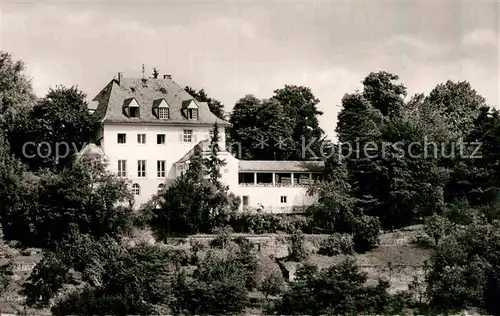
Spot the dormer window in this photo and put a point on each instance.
(163, 113)
(190, 109)
(192, 114)
(161, 109)
(131, 108)
(134, 112)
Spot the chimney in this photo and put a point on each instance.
(120, 77)
(167, 76)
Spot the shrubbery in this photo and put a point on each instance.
(338, 290)
(337, 244)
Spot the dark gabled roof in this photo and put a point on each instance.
(111, 100)
(186, 103)
(280, 165)
(205, 149)
(128, 101)
(157, 102)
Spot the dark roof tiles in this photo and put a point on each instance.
(111, 101)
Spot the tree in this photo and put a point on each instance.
(383, 93)
(338, 290)
(218, 286)
(392, 151)
(458, 103)
(297, 250)
(475, 175)
(300, 105)
(49, 207)
(272, 285)
(215, 106)
(213, 162)
(284, 127)
(437, 227)
(262, 128)
(464, 271)
(193, 203)
(57, 127)
(113, 279)
(16, 92)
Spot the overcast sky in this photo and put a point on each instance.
(235, 48)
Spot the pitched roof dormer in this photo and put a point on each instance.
(131, 108)
(161, 109)
(190, 109)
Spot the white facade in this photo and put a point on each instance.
(271, 198)
(132, 151)
(150, 147)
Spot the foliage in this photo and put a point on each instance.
(297, 250)
(464, 269)
(213, 162)
(338, 290)
(339, 211)
(366, 234)
(85, 198)
(222, 237)
(16, 92)
(285, 126)
(216, 287)
(458, 103)
(196, 201)
(404, 162)
(61, 120)
(116, 280)
(437, 227)
(215, 106)
(190, 207)
(300, 104)
(272, 285)
(6, 273)
(337, 244)
(258, 126)
(46, 279)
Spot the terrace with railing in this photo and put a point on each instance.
(277, 179)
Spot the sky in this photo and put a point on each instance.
(234, 48)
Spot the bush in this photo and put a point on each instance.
(266, 223)
(367, 231)
(296, 247)
(464, 270)
(437, 227)
(272, 285)
(337, 244)
(338, 290)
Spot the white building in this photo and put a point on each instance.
(149, 127)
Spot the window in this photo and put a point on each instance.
(160, 167)
(122, 168)
(188, 135)
(141, 168)
(192, 114)
(246, 199)
(136, 189)
(134, 111)
(161, 186)
(163, 113)
(122, 138)
(283, 199)
(160, 139)
(141, 138)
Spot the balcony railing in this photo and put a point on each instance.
(274, 209)
(299, 185)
